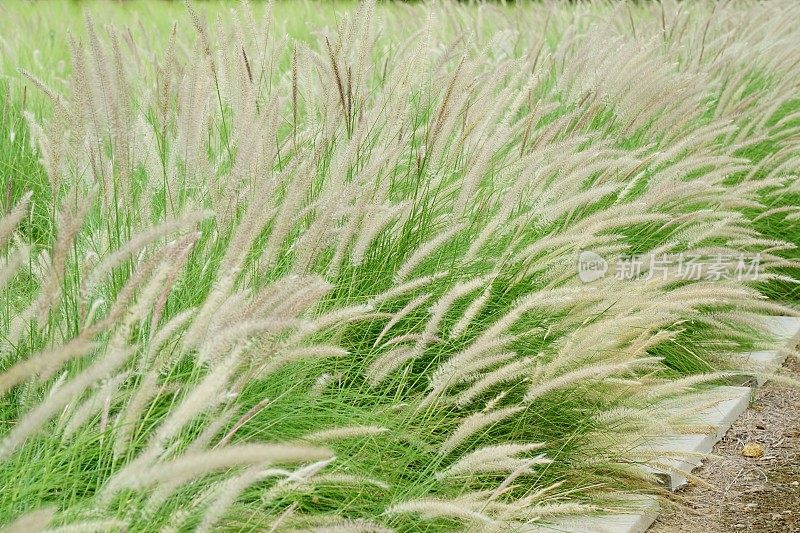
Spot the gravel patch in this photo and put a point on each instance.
(751, 492)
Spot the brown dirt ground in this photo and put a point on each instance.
(749, 495)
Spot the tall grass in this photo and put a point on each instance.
(255, 281)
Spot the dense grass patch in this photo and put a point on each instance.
(306, 266)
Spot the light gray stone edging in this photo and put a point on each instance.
(787, 332)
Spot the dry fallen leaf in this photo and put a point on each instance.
(753, 449)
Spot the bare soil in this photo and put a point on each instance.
(748, 494)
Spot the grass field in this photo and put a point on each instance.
(395, 267)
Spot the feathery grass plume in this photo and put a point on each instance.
(70, 220)
(137, 243)
(98, 402)
(387, 363)
(536, 512)
(335, 479)
(89, 526)
(443, 305)
(204, 395)
(375, 223)
(44, 364)
(593, 372)
(327, 435)
(474, 423)
(284, 357)
(191, 466)
(498, 458)
(339, 317)
(297, 480)
(116, 354)
(150, 367)
(390, 158)
(12, 218)
(507, 372)
(227, 493)
(34, 521)
(19, 256)
(323, 524)
(407, 309)
(407, 287)
(434, 508)
(425, 251)
(321, 384)
(683, 384)
(285, 516)
(465, 365)
(253, 411)
(470, 313)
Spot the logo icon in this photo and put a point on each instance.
(591, 266)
